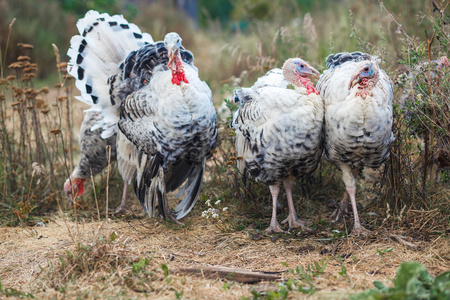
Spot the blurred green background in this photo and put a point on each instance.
(309, 28)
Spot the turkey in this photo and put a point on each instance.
(152, 93)
(93, 158)
(358, 120)
(279, 132)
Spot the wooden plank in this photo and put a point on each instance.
(238, 275)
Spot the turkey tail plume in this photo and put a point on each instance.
(96, 55)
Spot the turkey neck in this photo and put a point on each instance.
(300, 81)
(176, 66)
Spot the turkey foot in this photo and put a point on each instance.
(274, 227)
(342, 208)
(358, 230)
(172, 216)
(294, 222)
(122, 209)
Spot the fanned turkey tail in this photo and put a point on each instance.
(97, 54)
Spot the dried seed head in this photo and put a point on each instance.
(62, 65)
(44, 90)
(11, 77)
(4, 82)
(26, 46)
(23, 57)
(61, 98)
(55, 131)
(40, 102)
(2, 97)
(30, 69)
(15, 104)
(58, 85)
(37, 169)
(45, 111)
(15, 65)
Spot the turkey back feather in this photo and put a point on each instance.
(139, 67)
(334, 60)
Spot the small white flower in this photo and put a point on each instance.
(215, 216)
(208, 202)
(225, 209)
(217, 202)
(37, 169)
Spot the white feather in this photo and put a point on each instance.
(96, 54)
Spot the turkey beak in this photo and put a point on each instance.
(314, 73)
(171, 54)
(354, 81)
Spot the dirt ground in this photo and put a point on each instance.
(30, 259)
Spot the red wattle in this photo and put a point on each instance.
(178, 76)
(308, 85)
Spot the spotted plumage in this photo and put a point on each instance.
(279, 131)
(94, 157)
(358, 118)
(152, 93)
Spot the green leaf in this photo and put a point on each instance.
(113, 236)
(410, 275)
(165, 269)
(440, 288)
(379, 285)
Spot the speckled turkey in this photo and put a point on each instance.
(279, 131)
(94, 157)
(152, 93)
(358, 119)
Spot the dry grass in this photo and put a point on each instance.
(33, 262)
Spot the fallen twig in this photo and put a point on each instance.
(238, 275)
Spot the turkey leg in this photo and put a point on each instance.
(274, 226)
(350, 186)
(292, 217)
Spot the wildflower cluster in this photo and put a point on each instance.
(216, 214)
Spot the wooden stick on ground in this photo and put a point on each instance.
(238, 275)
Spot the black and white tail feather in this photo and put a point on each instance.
(96, 54)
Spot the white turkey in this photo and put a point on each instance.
(279, 132)
(93, 157)
(358, 119)
(152, 93)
